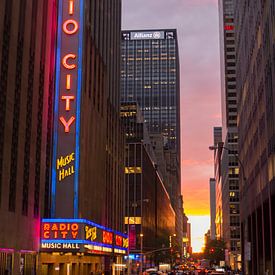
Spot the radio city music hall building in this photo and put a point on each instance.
(87, 205)
(79, 187)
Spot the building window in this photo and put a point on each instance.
(234, 209)
(235, 233)
(234, 196)
(234, 221)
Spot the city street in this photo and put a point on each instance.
(137, 137)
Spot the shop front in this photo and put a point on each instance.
(79, 246)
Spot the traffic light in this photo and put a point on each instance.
(212, 250)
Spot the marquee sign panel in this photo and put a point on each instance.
(65, 164)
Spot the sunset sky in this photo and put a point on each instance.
(197, 24)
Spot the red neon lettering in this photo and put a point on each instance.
(119, 240)
(55, 234)
(68, 82)
(74, 234)
(74, 227)
(64, 61)
(54, 227)
(71, 7)
(46, 226)
(107, 237)
(68, 123)
(64, 234)
(46, 235)
(62, 226)
(66, 25)
(68, 98)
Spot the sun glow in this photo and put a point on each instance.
(199, 226)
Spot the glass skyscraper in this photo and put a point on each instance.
(150, 76)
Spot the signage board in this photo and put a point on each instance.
(147, 35)
(68, 81)
(132, 237)
(80, 235)
(60, 247)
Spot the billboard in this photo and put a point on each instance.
(80, 235)
(68, 85)
(147, 35)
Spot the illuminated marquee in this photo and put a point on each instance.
(60, 231)
(68, 83)
(80, 235)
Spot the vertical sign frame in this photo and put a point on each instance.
(67, 109)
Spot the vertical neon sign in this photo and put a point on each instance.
(68, 81)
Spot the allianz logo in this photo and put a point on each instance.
(142, 35)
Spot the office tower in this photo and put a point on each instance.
(255, 55)
(218, 185)
(150, 77)
(229, 158)
(26, 94)
(212, 184)
(149, 216)
(84, 231)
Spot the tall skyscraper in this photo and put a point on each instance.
(150, 77)
(218, 186)
(255, 55)
(212, 185)
(229, 158)
(27, 37)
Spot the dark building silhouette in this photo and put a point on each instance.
(150, 77)
(230, 223)
(255, 76)
(149, 215)
(27, 38)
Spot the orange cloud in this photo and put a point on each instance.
(196, 198)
